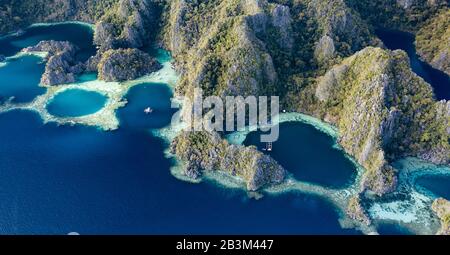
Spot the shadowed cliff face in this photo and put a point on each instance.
(128, 24)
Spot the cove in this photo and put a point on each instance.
(60, 179)
(309, 155)
(75, 103)
(20, 77)
(79, 34)
(438, 185)
(154, 95)
(439, 80)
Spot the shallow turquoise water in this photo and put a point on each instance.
(309, 155)
(20, 78)
(75, 103)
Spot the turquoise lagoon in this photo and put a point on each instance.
(309, 154)
(142, 96)
(76, 103)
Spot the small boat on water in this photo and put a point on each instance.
(268, 147)
(148, 110)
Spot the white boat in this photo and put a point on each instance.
(148, 110)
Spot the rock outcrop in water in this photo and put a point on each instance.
(204, 151)
(125, 64)
(433, 42)
(442, 209)
(356, 211)
(384, 111)
(61, 66)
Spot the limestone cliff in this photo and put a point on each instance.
(341, 29)
(203, 151)
(127, 24)
(260, 47)
(217, 49)
(125, 64)
(442, 209)
(383, 111)
(61, 66)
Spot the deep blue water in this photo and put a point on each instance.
(20, 78)
(308, 154)
(80, 35)
(58, 179)
(439, 80)
(438, 185)
(76, 102)
(141, 97)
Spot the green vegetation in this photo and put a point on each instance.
(303, 51)
(432, 41)
(16, 14)
(125, 64)
(390, 14)
(442, 209)
(217, 49)
(383, 112)
(203, 151)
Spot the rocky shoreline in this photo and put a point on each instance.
(204, 151)
(61, 67)
(442, 209)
